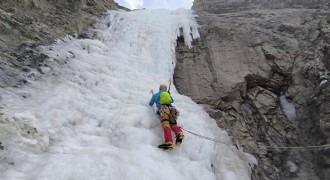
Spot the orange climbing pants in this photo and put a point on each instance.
(168, 123)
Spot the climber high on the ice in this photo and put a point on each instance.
(167, 115)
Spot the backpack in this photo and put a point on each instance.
(171, 113)
(165, 98)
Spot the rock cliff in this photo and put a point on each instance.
(229, 6)
(261, 69)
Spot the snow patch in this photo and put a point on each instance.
(288, 108)
(292, 166)
(323, 82)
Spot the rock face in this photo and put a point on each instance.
(263, 75)
(229, 6)
(26, 24)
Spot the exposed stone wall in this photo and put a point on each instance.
(263, 75)
(229, 6)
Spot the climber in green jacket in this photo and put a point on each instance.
(167, 115)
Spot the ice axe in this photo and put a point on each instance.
(153, 109)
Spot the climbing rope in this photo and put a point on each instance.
(268, 148)
(204, 137)
(298, 148)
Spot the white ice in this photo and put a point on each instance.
(88, 118)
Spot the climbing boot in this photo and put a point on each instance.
(166, 146)
(179, 138)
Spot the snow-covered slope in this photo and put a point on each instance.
(89, 117)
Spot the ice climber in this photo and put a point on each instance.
(167, 115)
